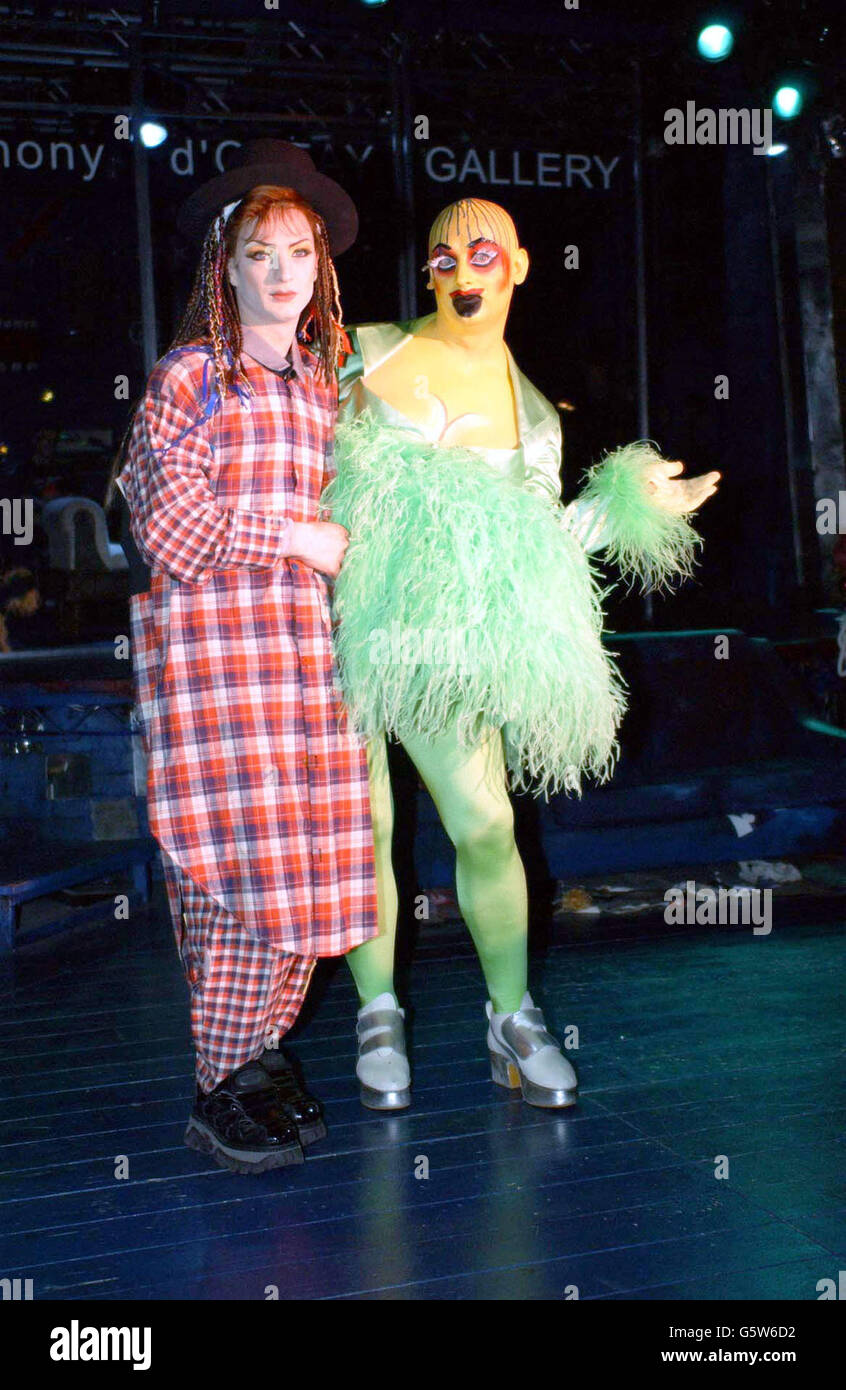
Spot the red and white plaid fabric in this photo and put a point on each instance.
(244, 994)
(257, 784)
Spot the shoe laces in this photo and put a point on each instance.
(239, 1124)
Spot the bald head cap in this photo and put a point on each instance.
(469, 218)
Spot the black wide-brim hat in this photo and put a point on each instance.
(285, 165)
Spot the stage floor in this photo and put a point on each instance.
(694, 1043)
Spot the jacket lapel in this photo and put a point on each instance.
(537, 420)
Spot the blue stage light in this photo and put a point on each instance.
(152, 134)
(787, 102)
(776, 149)
(715, 42)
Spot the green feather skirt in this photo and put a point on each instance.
(462, 598)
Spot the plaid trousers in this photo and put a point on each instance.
(245, 994)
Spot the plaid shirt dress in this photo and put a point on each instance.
(257, 784)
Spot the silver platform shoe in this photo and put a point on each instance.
(384, 1080)
(525, 1057)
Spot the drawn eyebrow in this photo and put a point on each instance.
(444, 246)
(256, 241)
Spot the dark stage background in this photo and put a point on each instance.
(545, 96)
(694, 263)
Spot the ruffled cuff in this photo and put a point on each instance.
(643, 539)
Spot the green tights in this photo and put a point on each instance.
(469, 792)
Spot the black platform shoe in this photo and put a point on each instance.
(292, 1097)
(240, 1125)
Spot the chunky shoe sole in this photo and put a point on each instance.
(199, 1136)
(383, 1100)
(506, 1073)
(310, 1133)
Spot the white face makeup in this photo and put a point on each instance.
(273, 270)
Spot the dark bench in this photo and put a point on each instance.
(31, 867)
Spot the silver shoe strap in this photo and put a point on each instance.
(525, 1032)
(387, 1031)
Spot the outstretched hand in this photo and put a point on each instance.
(679, 494)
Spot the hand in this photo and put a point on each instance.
(679, 494)
(320, 545)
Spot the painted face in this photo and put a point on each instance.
(274, 269)
(474, 263)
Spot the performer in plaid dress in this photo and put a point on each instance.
(257, 783)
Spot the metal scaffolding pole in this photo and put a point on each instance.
(142, 213)
(640, 266)
(401, 123)
(771, 170)
(640, 286)
(823, 422)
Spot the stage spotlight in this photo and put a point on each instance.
(787, 102)
(47, 395)
(371, 4)
(776, 149)
(152, 134)
(715, 42)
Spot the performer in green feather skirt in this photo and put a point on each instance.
(470, 619)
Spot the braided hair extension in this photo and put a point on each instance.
(211, 314)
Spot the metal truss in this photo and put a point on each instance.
(326, 80)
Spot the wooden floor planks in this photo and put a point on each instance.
(693, 1044)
